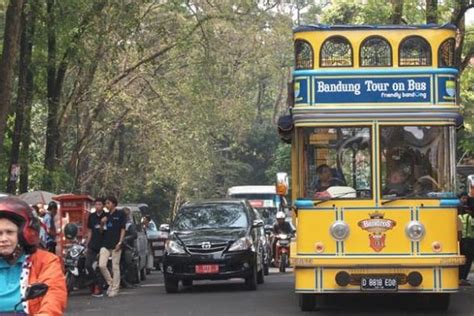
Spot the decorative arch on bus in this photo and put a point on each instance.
(303, 55)
(375, 51)
(414, 51)
(336, 51)
(446, 54)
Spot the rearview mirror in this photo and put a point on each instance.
(164, 228)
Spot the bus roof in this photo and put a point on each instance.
(270, 189)
(325, 27)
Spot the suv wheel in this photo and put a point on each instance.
(251, 280)
(171, 285)
(187, 282)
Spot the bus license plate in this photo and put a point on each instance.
(378, 284)
(207, 268)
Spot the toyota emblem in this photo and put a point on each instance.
(206, 245)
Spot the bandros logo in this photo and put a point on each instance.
(376, 225)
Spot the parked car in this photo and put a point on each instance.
(214, 240)
(157, 242)
(140, 244)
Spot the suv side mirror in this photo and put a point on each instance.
(257, 223)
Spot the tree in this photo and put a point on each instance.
(8, 60)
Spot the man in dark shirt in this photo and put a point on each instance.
(94, 243)
(114, 232)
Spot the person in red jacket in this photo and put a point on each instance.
(23, 264)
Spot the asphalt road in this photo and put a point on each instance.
(274, 297)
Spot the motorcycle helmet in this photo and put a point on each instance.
(280, 215)
(21, 214)
(70, 231)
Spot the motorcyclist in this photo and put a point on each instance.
(281, 227)
(23, 264)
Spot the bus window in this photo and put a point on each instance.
(337, 157)
(415, 51)
(417, 161)
(375, 51)
(446, 53)
(336, 52)
(303, 55)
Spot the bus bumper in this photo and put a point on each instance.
(345, 275)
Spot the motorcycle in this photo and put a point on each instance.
(75, 259)
(282, 251)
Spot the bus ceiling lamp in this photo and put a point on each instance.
(415, 230)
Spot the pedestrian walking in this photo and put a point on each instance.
(49, 221)
(94, 242)
(23, 264)
(114, 232)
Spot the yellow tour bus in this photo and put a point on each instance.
(372, 130)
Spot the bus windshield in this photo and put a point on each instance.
(337, 162)
(417, 161)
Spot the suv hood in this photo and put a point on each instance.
(218, 235)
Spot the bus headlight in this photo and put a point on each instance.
(415, 230)
(339, 230)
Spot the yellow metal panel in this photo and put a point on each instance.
(305, 279)
(395, 242)
(440, 226)
(313, 227)
(450, 278)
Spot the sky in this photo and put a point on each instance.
(470, 17)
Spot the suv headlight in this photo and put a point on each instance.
(173, 248)
(241, 244)
(415, 230)
(339, 230)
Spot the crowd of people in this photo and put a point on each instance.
(28, 236)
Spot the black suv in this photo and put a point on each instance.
(214, 240)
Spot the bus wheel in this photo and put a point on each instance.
(307, 302)
(438, 302)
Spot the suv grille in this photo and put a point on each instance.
(209, 248)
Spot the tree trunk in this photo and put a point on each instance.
(431, 11)
(53, 101)
(25, 135)
(397, 11)
(7, 63)
(25, 87)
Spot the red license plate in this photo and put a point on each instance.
(207, 268)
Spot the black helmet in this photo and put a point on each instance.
(52, 205)
(70, 231)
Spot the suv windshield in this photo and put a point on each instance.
(218, 215)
